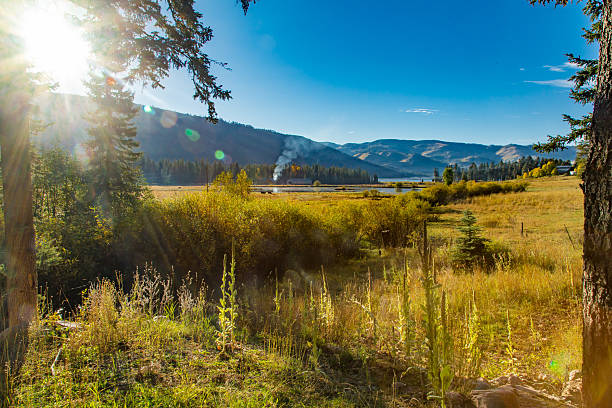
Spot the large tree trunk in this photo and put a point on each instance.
(21, 287)
(597, 279)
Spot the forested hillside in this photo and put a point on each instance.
(174, 136)
(168, 135)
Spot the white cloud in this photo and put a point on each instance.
(559, 83)
(521, 69)
(554, 68)
(562, 67)
(425, 111)
(351, 132)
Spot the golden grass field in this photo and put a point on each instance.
(539, 289)
(543, 289)
(353, 337)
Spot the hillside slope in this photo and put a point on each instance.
(170, 135)
(165, 134)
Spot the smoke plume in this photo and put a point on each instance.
(294, 147)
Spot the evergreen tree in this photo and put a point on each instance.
(19, 86)
(471, 248)
(448, 176)
(149, 38)
(436, 175)
(593, 83)
(506, 170)
(583, 91)
(116, 179)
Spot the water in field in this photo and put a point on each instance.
(404, 179)
(311, 189)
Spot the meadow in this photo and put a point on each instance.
(347, 325)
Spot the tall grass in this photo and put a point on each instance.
(320, 336)
(192, 232)
(316, 328)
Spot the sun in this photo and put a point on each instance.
(53, 44)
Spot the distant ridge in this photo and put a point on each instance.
(422, 156)
(165, 134)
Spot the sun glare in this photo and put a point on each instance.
(54, 45)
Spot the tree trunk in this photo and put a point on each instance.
(597, 279)
(21, 286)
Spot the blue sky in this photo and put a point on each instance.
(350, 71)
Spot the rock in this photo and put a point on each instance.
(515, 396)
(502, 397)
(514, 380)
(499, 381)
(481, 384)
(575, 374)
(457, 400)
(572, 390)
(543, 377)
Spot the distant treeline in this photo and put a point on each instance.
(183, 172)
(502, 170)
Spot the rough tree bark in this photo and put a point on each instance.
(21, 286)
(597, 278)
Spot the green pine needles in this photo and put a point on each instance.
(115, 177)
(448, 176)
(471, 249)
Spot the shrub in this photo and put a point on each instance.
(548, 169)
(441, 194)
(192, 232)
(239, 186)
(389, 222)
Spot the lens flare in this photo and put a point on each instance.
(168, 119)
(53, 44)
(219, 155)
(148, 109)
(192, 135)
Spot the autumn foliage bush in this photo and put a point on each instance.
(194, 231)
(441, 194)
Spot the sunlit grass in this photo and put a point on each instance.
(341, 335)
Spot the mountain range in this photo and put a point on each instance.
(420, 157)
(165, 134)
